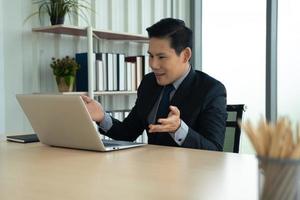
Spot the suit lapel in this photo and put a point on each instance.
(184, 90)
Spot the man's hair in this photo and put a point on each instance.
(175, 30)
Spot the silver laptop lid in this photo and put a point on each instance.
(61, 120)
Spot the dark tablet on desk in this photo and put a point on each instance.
(23, 138)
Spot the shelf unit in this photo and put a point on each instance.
(89, 32)
(81, 31)
(100, 93)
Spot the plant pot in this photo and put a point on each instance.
(65, 84)
(57, 20)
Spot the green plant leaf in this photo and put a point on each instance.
(59, 8)
(69, 80)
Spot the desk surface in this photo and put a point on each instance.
(37, 171)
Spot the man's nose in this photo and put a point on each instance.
(153, 63)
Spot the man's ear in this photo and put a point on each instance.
(187, 54)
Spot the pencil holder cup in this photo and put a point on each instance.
(278, 179)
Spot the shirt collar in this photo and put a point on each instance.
(177, 83)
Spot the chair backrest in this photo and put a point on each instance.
(233, 131)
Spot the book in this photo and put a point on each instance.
(82, 73)
(115, 72)
(129, 69)
(110, 72)
(23, 138)
(122, 72)
(139, 62)
(101, 72)
(99, 75)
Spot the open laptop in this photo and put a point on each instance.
(63, 121)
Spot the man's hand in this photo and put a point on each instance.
(94, 108)
(169, 124)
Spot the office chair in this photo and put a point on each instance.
(233, 130)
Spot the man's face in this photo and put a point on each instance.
(165, 63)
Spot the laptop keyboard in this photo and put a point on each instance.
(111, 143)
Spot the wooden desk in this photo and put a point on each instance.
(36, 171)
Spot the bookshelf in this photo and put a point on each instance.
(100, 93)
(89, 32)
(101, 34)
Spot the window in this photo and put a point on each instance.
(234, 45)
(288, 59)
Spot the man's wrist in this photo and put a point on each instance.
(106, 123)
(180, 134)
(178, 126)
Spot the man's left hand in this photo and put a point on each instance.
(169, 124)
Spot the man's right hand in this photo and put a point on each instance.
(94, 108)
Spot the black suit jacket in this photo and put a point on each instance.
(202, 103)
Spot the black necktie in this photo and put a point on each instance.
(163, 108)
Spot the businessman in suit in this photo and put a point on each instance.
(177, 105)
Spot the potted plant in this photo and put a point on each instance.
(65, 71)
(58, 9)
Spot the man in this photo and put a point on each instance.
(177, 105)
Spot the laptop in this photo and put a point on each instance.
(63, 121)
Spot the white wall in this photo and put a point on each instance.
(16, 54)
(28, 55)
(2, 97)
(289, 59)
(234, 53)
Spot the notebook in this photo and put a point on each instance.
(28, 138)
(63, 121)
